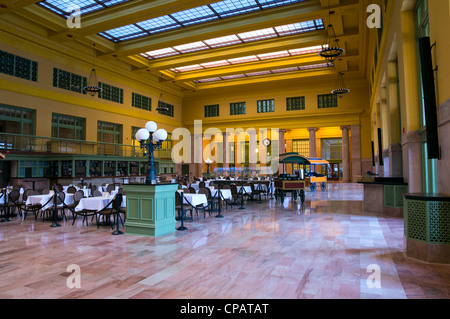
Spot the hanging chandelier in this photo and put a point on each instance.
(161, 105)
(92, 87)
(340, 88)
(330, 47)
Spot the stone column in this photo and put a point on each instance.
(356, 152)
(199, 157)
(225, 150)
(412, 162)
(252, 150)
(345, 154)
(312, 141)
(444, 163)
(281, 147)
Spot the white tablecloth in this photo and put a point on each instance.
(247, 189)
(195, 199)
(97, 203)
(226, 193)
(43, 199)
(86, 191)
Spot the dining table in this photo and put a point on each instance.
(98, 203)
(45, 201)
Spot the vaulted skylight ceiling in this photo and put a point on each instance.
(267, 72)
(210, 12)
(245, 37)
(251, 58)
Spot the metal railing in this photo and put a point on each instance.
(39, 144)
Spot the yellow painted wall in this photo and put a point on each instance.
(46, 99)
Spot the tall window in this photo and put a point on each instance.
(301, 147)
(237, 108)
(429, 172)
(109, 132)
(16, 120)
(69, 127)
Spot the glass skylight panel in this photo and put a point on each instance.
(208, 80)
(61, 7)
(126, 32)
(223, 41)
(273, 55)
(257, 73)
(265, 4)
(155, 25)
(229, 8)
(315, 66)
(285, 70)
(161, 53)
(258, 35)
(187, 68)
(245, 59)
(233, 76)
(313, 49)
(215, 64)
(191, 47)
(195, 15)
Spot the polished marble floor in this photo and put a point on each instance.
(269, 250)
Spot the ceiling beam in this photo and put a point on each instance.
(10, 6)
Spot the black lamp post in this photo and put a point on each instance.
(151, 139)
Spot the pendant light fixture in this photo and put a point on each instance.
(330, 47)
(161, 107)
(340, 88)
(92, 87)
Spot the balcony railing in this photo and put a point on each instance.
(38, 144)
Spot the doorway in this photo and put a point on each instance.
(335, 171)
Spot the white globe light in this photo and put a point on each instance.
(142, 135)
(160, 135)
(151, 126)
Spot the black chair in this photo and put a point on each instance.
(179, 206)
(79, 194)
(60, 197)
(112, 209)
(192, 190)
(110, 188)
(97, 193)
(201, 185)
(207, 192)
(14, 202)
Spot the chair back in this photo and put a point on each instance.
(16, 188)
(233, 189)
(117, 202)
(192, 190)
(110, 188)
(205, 191)
(177, 199)
(201, 184)
(78, 196)
(97, 193)
(14, 195)
(71, 190)
(45, 191)
(60, 198)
